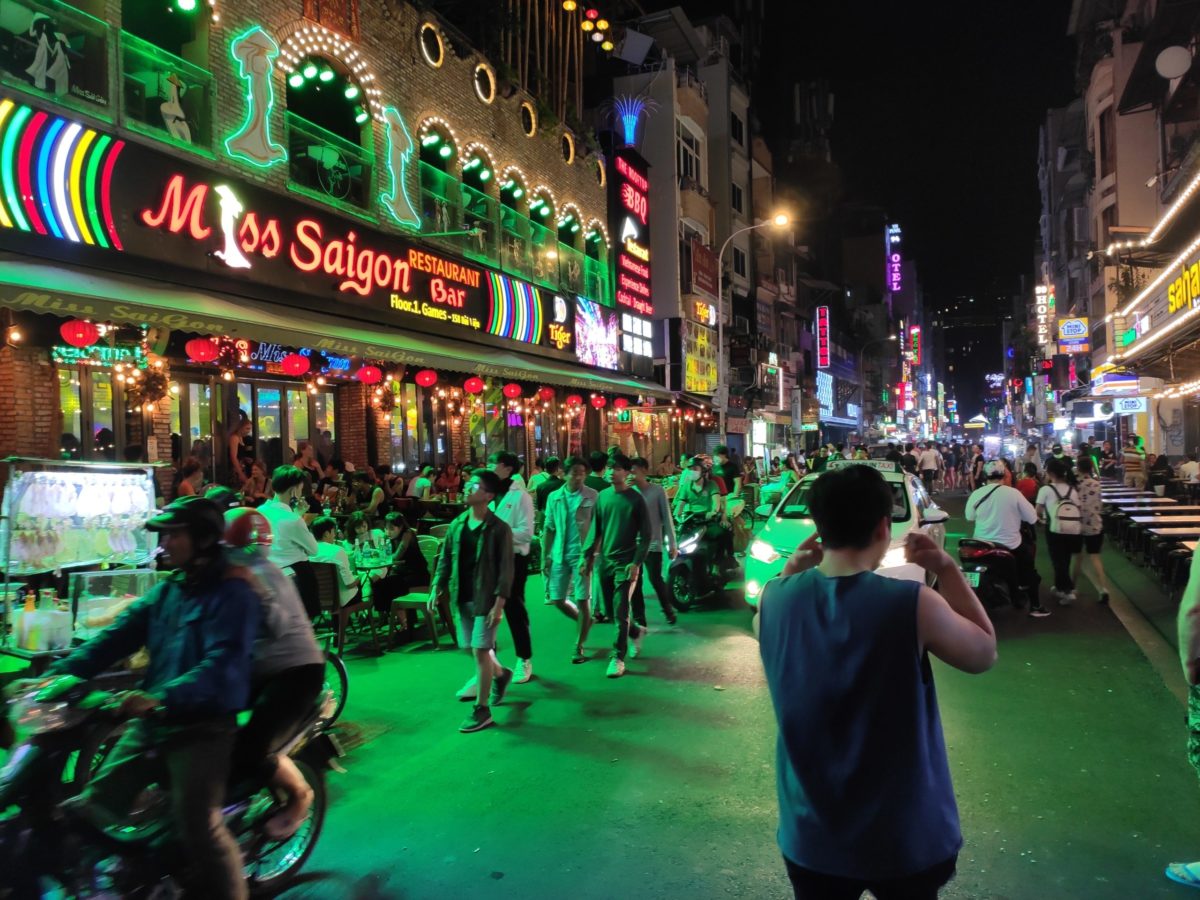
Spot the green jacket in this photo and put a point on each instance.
(493, 564)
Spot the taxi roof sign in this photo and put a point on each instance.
(883, 465)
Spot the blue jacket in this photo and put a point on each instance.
(200, 635)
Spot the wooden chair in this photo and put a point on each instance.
(328, 590)
(418, 595)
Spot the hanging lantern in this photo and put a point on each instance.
(369, 374)
(512, 390)
(79, 332)
(574, 400)
(620, 403)
(473, 385)
(599, 402)
(546, 394)
(202, 350)
(426, 378)
(295, 364)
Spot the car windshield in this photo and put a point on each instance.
(795, 504)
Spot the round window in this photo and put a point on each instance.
(431, 45)
(528, 119)
(485, 83)
(568, 147)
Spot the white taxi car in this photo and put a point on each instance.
(789, 524)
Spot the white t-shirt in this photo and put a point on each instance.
(291, 540)
(1190, 471)
(928, 460)
(347, 583)
(418, 486)
(1051, 495)
(998, 511)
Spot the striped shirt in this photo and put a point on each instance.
(1134, 460)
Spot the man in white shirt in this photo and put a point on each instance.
(515, 509)
(927, 461)
(568, 520)
(293, 545)
(1190, 470)
(324, 530)
(998, 511)
(422, 486)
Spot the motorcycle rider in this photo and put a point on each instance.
(289, 672)
(998, 512)
(698, 496)
(200, 625)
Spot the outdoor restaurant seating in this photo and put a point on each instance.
(327, 591)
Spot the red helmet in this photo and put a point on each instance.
(246, 527)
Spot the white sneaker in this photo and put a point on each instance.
(523, 670)
(469, 691)
(635, 644)
(616, 668)
(1065, 599)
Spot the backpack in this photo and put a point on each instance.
(1067, 518)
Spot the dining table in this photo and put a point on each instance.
(1165, 520)
(1190, 546)
(1176, 532)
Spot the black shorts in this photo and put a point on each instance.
(1092, 543)
(810, 885)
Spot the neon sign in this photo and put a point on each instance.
(1043, 308)
(630, 198)
(915, 344)
(894, 262)
(822, 337)
(629, 110)
(255, 52)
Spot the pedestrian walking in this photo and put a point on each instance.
(567, 525)
(928, 461)
(598, 463)
(1133, 460)
(1058, 506)
(621, 537)
(871, 805)
(514, 507)
(662, 536)
(475, 573)
(1090, 561)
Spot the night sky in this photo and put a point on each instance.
(937, 110)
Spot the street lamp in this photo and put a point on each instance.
(779, 220)
(862, 379)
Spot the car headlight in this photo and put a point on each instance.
(753, 588)
(763, 552)
(893, 558)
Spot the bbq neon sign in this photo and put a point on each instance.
(631, 202)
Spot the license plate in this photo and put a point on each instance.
(972, 578)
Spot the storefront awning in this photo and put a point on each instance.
(51, 288)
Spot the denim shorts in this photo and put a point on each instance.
(473, 631)
(565, 580)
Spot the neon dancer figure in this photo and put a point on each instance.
(231, 208)
(256, 52)
(400, 148)
(50, 60)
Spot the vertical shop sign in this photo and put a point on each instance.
(822, 337)
(895, 279)
(631, 204)
(915, 344)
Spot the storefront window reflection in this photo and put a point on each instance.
(199, 401)
(267, 427)
(323, 421)
(72, 413)
(104, 439)
(176, 423)
(298, 426)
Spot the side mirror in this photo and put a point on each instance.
(935, 517)
(764, 510)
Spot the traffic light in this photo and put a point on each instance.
(1060, 372)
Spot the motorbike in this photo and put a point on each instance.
(46, 843)
(990, 569)
(700, 571)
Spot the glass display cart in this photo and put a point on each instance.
(63, 514)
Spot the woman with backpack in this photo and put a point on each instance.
(1093, 526)
(1058, 504)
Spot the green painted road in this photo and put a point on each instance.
(1067, 757)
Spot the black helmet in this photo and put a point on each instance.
(198, 515)
(225, 498)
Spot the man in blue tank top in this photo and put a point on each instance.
(864, 786)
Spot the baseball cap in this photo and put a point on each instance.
(1057, 448)
(196, 514)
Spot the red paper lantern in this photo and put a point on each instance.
(369, 374)
(512, 390)
(546, 394)
(295, 364)
(202, 350)
(426, 378)
(592, 13)
(473, 385)
(599, 402)
(620, 403)
(574, 400)
(79, 332)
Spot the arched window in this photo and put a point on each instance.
(570, 255)
(330, 144)
(441, 195)
(543, 242)
(516, 248)
(481, 210)
(595, 263)
(167, 90)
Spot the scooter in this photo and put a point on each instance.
(700, 571)
(990, 569)
(48, 844)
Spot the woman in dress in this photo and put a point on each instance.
(1090, 561)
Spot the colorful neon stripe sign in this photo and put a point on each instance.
(57, 177)
(516, 309)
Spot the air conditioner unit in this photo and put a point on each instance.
(1081, 225)
(741, 325)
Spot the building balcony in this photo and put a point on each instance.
(691, 96)
(694, 202)
(165, 96)
(481, 216)
(328, 167)
(65, 59)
